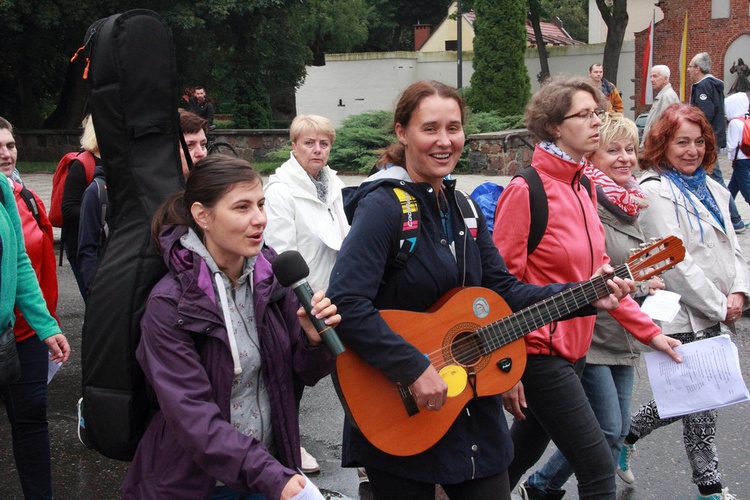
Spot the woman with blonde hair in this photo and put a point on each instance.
(75, 185)
(305, 209)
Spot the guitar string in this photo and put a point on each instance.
(526, 320)
(469, 348)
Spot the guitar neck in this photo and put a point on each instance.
(515, 326)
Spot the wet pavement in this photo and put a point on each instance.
(660, 467)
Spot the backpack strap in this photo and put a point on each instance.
(649, 179)
(103, 197)
(28, 198)
(469, 211)
(538, 207)
(409, 225)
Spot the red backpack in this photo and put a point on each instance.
(744, 145)
(58, 181)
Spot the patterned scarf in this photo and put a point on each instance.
(321, 185)
(551, 147)
(622, 197)
(695, 184)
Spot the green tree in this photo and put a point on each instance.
(573, 13)
(321, 23)
(391, 22)
(252, 53)
(500, 81)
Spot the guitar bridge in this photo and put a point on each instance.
(472, 378)
(410, 405)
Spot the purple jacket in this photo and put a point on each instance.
(190, 444)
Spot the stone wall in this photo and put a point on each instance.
(50, 145)
(500, 153)
(491, 154)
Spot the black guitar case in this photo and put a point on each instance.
(133, 99)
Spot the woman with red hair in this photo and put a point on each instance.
(712, 280)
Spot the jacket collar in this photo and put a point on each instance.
(298, 180)
(557, 168)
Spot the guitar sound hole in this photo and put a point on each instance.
(466, 348)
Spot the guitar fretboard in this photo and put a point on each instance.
(515, 326)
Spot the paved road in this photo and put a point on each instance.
(661, 468)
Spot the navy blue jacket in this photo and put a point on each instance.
(90, 229)
(363, 281)
(708, 94)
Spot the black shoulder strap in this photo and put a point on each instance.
(537, 207)
(409, 225)
(30, 201)
(101, 192)
(648, 179)
(586, 183)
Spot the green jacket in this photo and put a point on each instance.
(18, 283)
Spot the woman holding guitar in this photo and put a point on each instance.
(470, 460)
(713, 279)
(549, 402)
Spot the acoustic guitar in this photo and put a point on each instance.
(474, 341)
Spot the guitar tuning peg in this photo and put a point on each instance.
(644, 245)
(632, 251)
(655, 239)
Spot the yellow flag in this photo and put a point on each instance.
(683, 60)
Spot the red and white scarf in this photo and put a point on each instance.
(627, 198)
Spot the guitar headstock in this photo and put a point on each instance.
(656, 257)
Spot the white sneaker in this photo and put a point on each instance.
(724, 495)
(81, 425)
(362, 475)
(623, 464)
(309, 464)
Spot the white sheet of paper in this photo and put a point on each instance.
(309, 492)
(662, 305)
(52, 369)
(708, 377)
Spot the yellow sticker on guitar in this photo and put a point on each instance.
(456, 378)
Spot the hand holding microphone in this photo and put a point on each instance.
(292, 271)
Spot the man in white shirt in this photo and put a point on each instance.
(665, 95)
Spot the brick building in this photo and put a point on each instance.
(719, 27)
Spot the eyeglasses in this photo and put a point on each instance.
(692, 66)
(588, 114)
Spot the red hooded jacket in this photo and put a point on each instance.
(40, 248)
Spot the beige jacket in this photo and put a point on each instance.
(714, 265)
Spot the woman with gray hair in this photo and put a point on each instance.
(305, 210)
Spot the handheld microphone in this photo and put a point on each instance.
(292, 271)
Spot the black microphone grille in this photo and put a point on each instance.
(290, 267)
